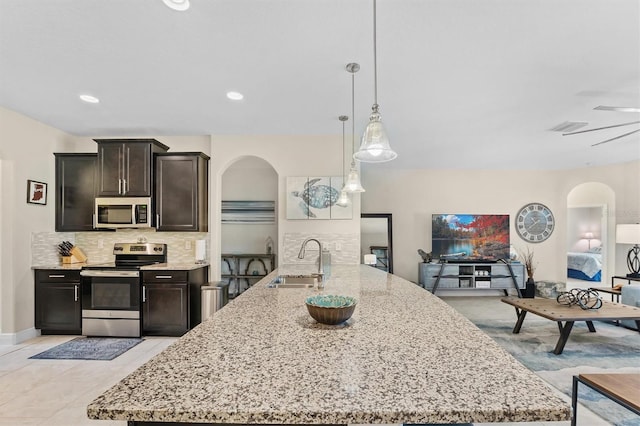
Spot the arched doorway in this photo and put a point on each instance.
(590, 235)
(249, 227)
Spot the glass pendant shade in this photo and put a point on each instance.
(374, 147)
(343, 200)
(353, 180)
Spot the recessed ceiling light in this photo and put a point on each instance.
(235, 96)
(180, 5)
(90, 99)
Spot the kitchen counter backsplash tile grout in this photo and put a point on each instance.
(44, 244)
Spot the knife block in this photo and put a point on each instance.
(77, 256)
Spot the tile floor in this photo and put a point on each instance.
(56, 392)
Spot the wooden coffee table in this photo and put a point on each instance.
(566, 316)
(619, 387)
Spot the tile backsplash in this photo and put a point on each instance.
(344, 248)
(98, 246)
(181, 246)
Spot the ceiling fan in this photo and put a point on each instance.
(611, 108)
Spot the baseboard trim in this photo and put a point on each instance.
(19, 337)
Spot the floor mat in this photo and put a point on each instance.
(90, 348)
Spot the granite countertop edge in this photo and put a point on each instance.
(171, 266)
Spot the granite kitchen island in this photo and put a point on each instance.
(403, 357)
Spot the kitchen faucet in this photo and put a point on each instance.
(320, 262)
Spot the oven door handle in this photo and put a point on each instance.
(110, 274)
(75, 293)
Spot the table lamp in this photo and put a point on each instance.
(588, 236)
(630, 234)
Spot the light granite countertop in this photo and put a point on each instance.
(403, 357)
(181, 266)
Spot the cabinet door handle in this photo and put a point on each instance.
(56, 276)
(124, 186)
(157, 220)
(167, 277)
(144, 294)
(119, 186)
(75, 293)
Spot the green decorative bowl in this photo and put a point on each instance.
(330, 309)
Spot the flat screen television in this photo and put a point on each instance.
(470, 237)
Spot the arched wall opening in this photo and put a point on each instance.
(249, 198)
(590, 235)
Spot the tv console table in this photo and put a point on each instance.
(449, 276)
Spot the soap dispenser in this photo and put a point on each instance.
(326, 262)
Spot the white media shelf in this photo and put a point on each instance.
(500, 276)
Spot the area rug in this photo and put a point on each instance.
(611, 349)
(89, 348)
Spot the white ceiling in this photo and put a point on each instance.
(461, 83)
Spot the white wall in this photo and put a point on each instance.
(26, 152)
(412, 196)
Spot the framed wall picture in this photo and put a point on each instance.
(248, 212)
(316, 198)
(36, 192)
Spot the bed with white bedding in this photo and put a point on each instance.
(585, 266)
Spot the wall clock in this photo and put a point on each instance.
(534, 223)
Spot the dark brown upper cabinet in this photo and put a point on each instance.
(125, 166)
(181, 196)
(75, 190)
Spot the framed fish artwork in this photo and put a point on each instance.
(316, 198)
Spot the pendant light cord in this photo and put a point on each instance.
(353, 118)
(375, 58)
(343, 174)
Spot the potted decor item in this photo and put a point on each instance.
(526, 257)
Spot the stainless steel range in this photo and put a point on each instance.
(111, 292)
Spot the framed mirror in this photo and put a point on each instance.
(376, 238)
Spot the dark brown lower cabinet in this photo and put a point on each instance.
(171, 300)
(57, 301)
(165, 309)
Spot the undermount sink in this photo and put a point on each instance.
(293, 281)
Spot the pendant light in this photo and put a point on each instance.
(374, 147)
(352, 184)
(343, 200)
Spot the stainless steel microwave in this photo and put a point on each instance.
(122, 212)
